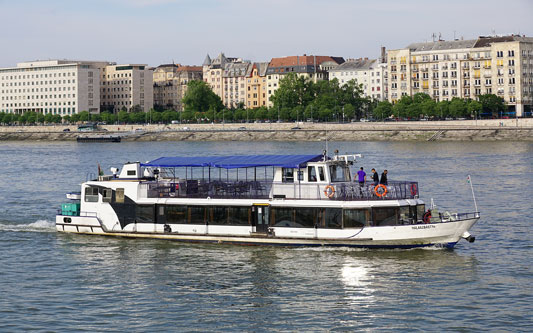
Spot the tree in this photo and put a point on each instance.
(492, 105)
(382, 110)
(200, 98)
(293, 90)
(458, 108)
(123, 116)
(474, 108)
(442, 109)
(83, 116)
(429, 108)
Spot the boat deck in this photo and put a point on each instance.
(243, 189)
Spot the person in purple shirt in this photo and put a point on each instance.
(361, 177)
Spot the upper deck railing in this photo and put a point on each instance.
(242, 189)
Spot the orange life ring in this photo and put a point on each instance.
(329, 191)
(414, 189)
(378, 193)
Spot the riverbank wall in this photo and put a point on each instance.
(466, 130)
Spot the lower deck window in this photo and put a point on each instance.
(355, 218)
(383, 216)
(306, 217)
(144, 213)
(215, 215)
(420, 210)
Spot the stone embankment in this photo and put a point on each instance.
(466, 130)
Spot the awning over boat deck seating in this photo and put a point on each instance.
(233, 162)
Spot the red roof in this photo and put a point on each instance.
(303, 60)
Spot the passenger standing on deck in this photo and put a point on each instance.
(384, 178)
(361, 177)
(375, 177)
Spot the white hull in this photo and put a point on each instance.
(401, 236)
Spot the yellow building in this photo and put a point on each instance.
(256, 84)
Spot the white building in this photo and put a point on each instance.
(127, 86)
(62, 87)
(370, 73)
(500, 65)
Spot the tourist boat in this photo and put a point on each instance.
(287, 200)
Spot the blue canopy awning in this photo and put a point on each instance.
(233, 162)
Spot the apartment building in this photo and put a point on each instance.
(371, 74)
(170, 84)
(128, 86)
(62, 87)
(227, 78)
(314, 68)
(256, 84)
(500, 65)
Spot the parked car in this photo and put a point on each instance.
(242, 128)
(296, 128)
(66, 130)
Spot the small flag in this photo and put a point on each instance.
(468, 180)
(100, 171)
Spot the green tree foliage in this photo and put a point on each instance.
(293, 90)
(83, 116)
(474, 108)
(492, 104)
(383, 110)
(123, 116)
(458, 108)
(200, 98)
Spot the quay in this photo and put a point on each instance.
(464, 130)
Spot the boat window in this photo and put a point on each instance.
(288, 175)
(305, 217)
(119, 195)
(321, 175)
(144, 213)
(218, 215)
(405, 215)
(311, 174)
(131, 172)
(239, 215)
(281, 217)
(420, 210)
(91, 194)
(337, 173)
(412, 213)
(107, 193)
(197, 214)
(355, 218)
(176, 214)
(384, 216)
(333, 218)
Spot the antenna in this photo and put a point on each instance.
(469, 180)
(326, 151)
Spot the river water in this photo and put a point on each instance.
(61, 282)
